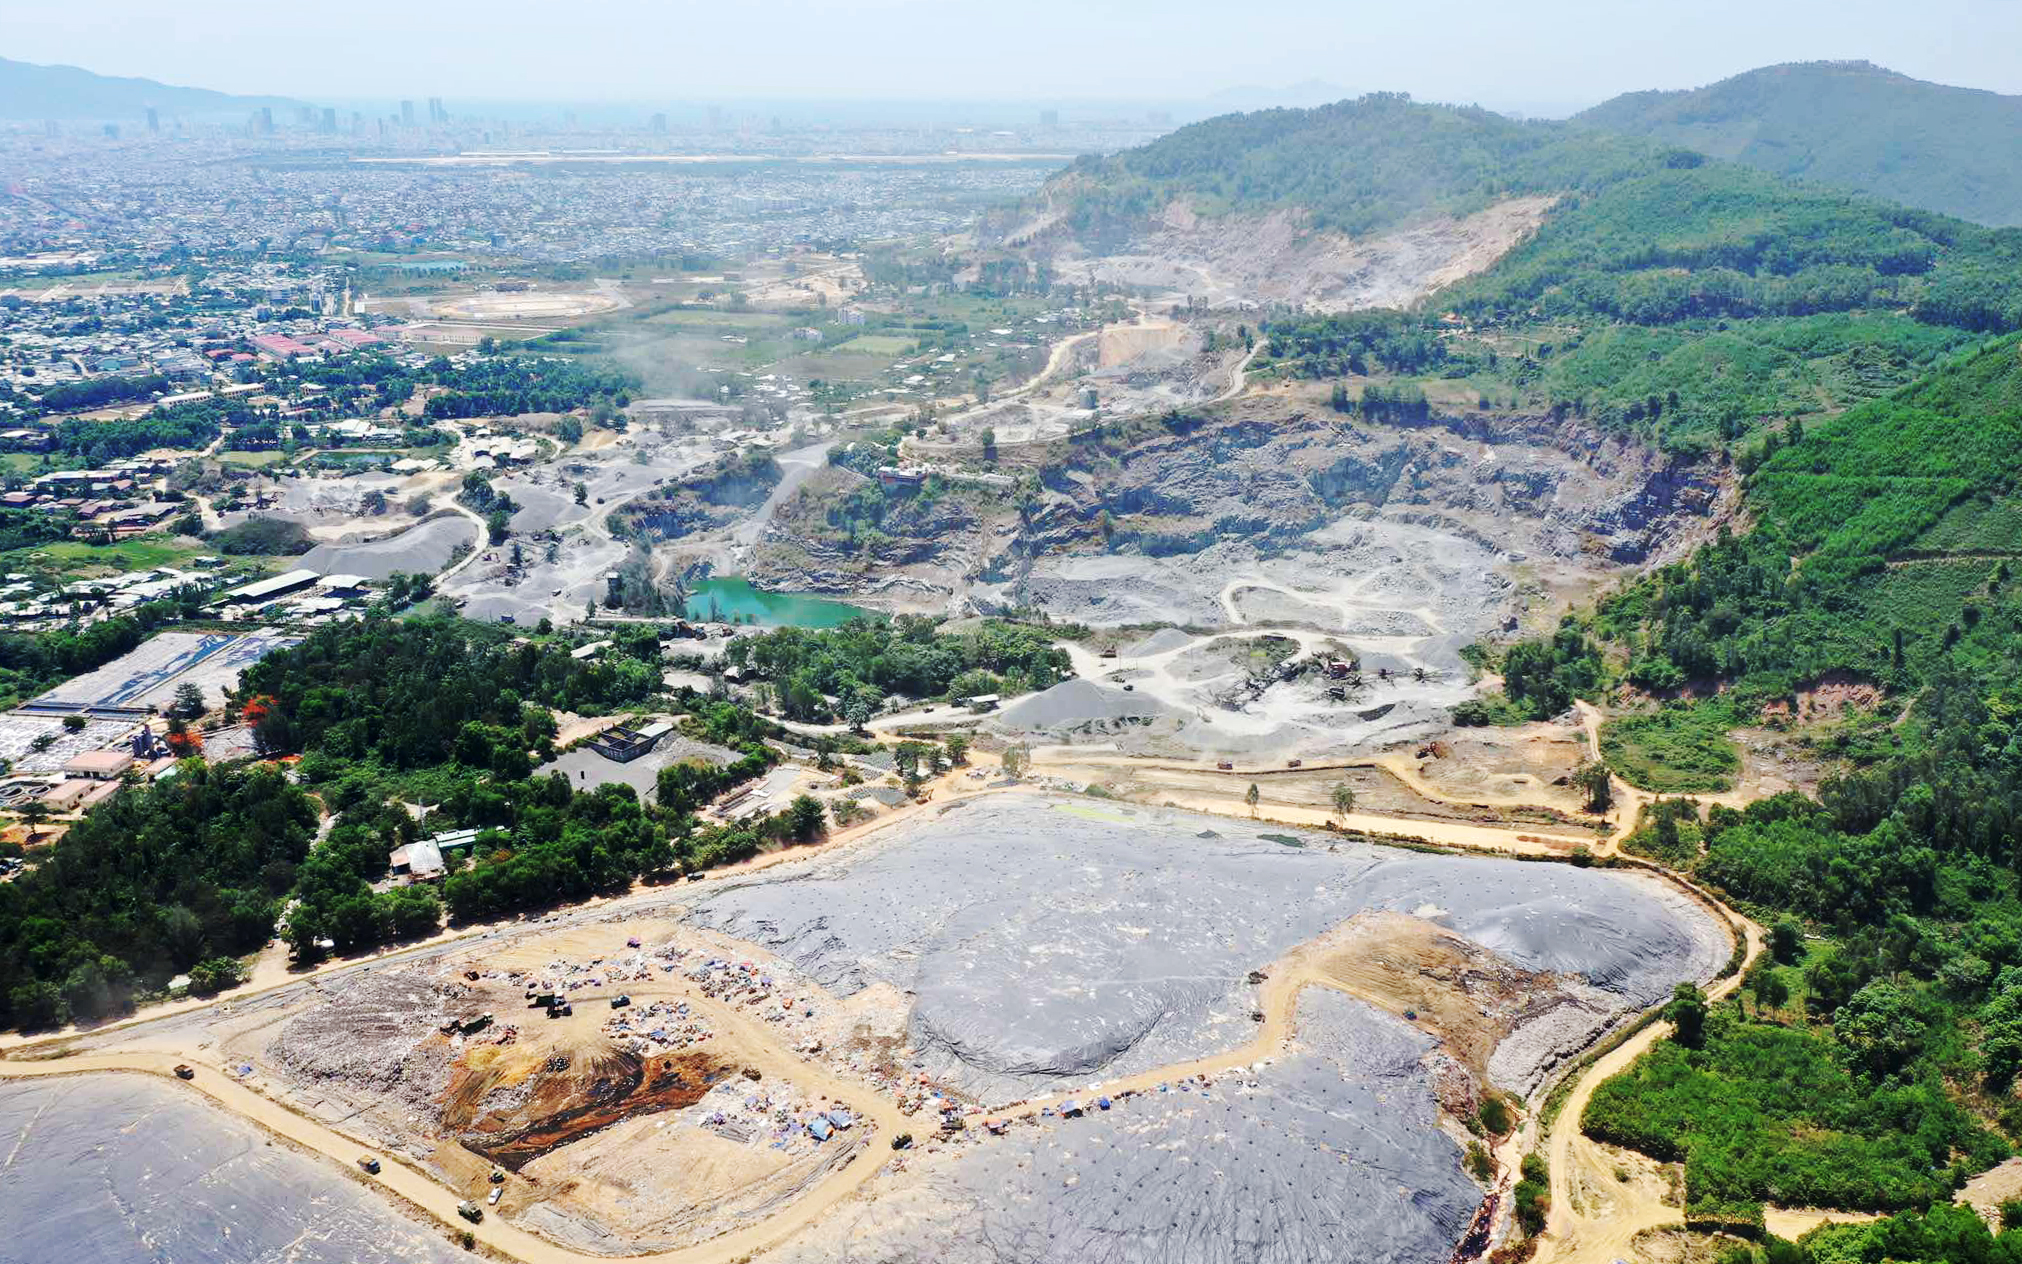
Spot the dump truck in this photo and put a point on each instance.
(560, 1011)
(470, 1211)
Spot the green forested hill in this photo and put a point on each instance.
(1358, 166)
(1871, 1058)
(1681, 297)
(1852, 124)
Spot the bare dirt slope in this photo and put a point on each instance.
(1276, 258)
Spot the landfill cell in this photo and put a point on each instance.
(124, 1169)
(1048, 940)
(1329, 1153)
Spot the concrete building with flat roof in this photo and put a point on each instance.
(100, 765)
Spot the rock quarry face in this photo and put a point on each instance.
(1453, 513)
(1277, 258)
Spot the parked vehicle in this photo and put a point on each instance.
(470, 1211)
(184, 1071)
(370, 1164)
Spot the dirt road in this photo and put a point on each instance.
(1602, 1198)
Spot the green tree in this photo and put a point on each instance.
(1687, 1012)
(1344, 799)
(1879, 1027)
(1252, 796)
(805, 817)
(1016, 760)
(1593, 777)
(1786, 940)
(1771, 992)
(189, 701)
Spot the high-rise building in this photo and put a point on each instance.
(715, 118)
(153, 121)
(266, 120)
(329, 121)
(1049, 118)
(407, 114)
(112, 131)
(436, 114)
(50, 128)
(658, 124)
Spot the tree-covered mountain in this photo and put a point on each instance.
(1358, 166)
(1852, 124)
(1681, 297)
(29, 91)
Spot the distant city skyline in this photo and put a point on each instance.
(1547, 58)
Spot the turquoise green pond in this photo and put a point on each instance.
(733, 598)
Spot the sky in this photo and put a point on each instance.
(1539, 57)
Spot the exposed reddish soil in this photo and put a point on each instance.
(569, 1097)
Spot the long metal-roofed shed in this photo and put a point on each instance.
(270, 589)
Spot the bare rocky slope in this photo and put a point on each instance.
(1278, 258)
(1159, 521)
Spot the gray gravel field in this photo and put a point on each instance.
(124, 1169)
(1332, 1153)
(1050, 941)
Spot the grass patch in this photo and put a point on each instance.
(875, 344)
(253, 460)
(1681, 749)
(81, 560)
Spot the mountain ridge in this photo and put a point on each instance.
(29, 90)
(1847, 123)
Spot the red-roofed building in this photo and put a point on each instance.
(280, 346)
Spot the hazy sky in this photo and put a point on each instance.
(1496, 52)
